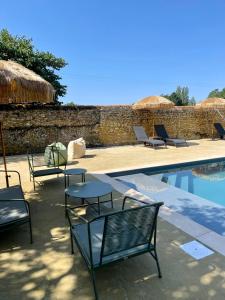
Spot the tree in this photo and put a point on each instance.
(45, 64)
(181, 97)
(217, 93)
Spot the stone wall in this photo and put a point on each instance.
(37, 126)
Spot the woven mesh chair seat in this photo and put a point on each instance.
(11, 211)
(47, 172)
(13, 192)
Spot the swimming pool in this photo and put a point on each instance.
(195, 190)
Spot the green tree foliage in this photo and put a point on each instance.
(217, 93)
(71, 103)
(181, 97)
(21, 50)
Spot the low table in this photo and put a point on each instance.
(88, 190)
(70, 172)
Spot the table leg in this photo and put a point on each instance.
(65, 204)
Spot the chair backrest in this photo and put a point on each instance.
(219, 128)
(140, 133)
(161, 131)
(127, 229)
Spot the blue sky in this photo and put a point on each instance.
(122, 50)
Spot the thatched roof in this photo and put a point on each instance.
(21, 85)
(153, 102)
(212, 102)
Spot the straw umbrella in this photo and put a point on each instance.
(214, 103)
(153, 103)
(21, 85)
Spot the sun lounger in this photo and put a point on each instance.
(220, 130)
(162, 133)
(141, 136)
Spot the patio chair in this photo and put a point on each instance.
(141, 136)
(14, 209)
(45, 169)
(116, 236)
(162, 133)
(220, 130)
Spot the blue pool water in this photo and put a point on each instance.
(205, 180)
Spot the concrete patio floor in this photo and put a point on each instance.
(47, 270)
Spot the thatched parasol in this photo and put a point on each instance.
(215, 104)
(211, 103)
(21, 85)
(153, 102)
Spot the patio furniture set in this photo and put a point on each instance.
(104, 235)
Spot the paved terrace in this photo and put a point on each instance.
(46, 270)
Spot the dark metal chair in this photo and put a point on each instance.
(52, 169)
(116, 236)
(141, 136)
(220, 130)
(162, 133)
(14, 209)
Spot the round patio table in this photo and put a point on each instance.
(70, 172)
(88, 190)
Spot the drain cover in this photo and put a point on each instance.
(196, 250)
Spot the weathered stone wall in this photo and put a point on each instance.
(35, 127)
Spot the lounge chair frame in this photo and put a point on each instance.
(220, 130)
(151, 244)
(142, 137)
(162, 133)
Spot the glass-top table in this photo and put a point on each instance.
(87, 190)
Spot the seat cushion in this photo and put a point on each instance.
(80, 233)
(47, 172)
(12, 211)
(13, 192)
(155, 142)
(176, 141)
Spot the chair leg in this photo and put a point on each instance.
(111, 200)
(34, 183)
(65, 204)
(94, 284)
(71, 241)
(155, 256)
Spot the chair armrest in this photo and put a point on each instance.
(12, 171)
(132, 199)
(70, 211)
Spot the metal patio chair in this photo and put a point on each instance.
(14, 209)
(46, 170)
(116, 236)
